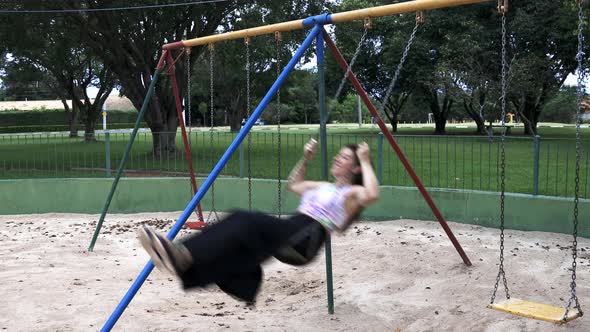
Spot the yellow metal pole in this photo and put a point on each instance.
(360, 14)
(263, 30)
(399, 8)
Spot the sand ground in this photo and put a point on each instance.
(401, 274)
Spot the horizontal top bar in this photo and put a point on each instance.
(359, 14)
(399, 8)
(266, 29)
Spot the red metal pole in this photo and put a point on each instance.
(187, 150)
(359, 89)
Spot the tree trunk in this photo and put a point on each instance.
(439, 112)
(164, 139)
(394, 125)
(71, 116)
(161, 118)
(528, 110)
(89, 124)
(394, 108)
(440, 126)
(73, 120)
(481, 126)
(235, 123)
(476, 116)
(235, 113)
(92, 116)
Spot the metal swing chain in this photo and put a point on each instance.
(580, 93)
(356, 54)
(367, 26)
(501, 272)
(248, 105)
(401, 64)
(188, 90)
(278, 39)
(212, 114)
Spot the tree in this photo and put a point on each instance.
(394, 107)
(474, 105)
(48, 50)
(22, 81)
(440, 101)
(381, 54)
(130, 43)
(562, 107)
(302, 95)
(456, 56)
(346, 111)
(473, 56)
(541, 63)
(230, 66)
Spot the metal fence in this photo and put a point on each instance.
(533, 166)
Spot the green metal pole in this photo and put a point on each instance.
(537, 141)
(324, 151)
(107, 152)
(126, 153)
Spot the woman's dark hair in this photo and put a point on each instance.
(357, 179)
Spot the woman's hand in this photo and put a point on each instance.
(297, 183)
(309, 149)
(363, 152)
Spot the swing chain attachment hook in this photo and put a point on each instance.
(278, 36)
(420, 17)
(368, 23)
(502, 6)
(247, 41)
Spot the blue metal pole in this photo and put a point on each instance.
(317, 30)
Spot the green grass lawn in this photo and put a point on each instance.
(457, 160)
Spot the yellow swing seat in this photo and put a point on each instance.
(535, 310)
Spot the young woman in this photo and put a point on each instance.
(230, 252)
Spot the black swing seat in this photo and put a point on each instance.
(536, 310)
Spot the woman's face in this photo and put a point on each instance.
(344, 163)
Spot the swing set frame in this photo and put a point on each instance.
(319, 36)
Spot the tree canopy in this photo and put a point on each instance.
(452, 68)
(454, 63)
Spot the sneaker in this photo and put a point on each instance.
(166, 255)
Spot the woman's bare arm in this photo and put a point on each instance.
(297, 183)
(369, 191)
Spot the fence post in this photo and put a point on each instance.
(107, 152)
(537, 148)
(241, 160)
(380, 158)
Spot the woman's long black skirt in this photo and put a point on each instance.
(230, 252)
